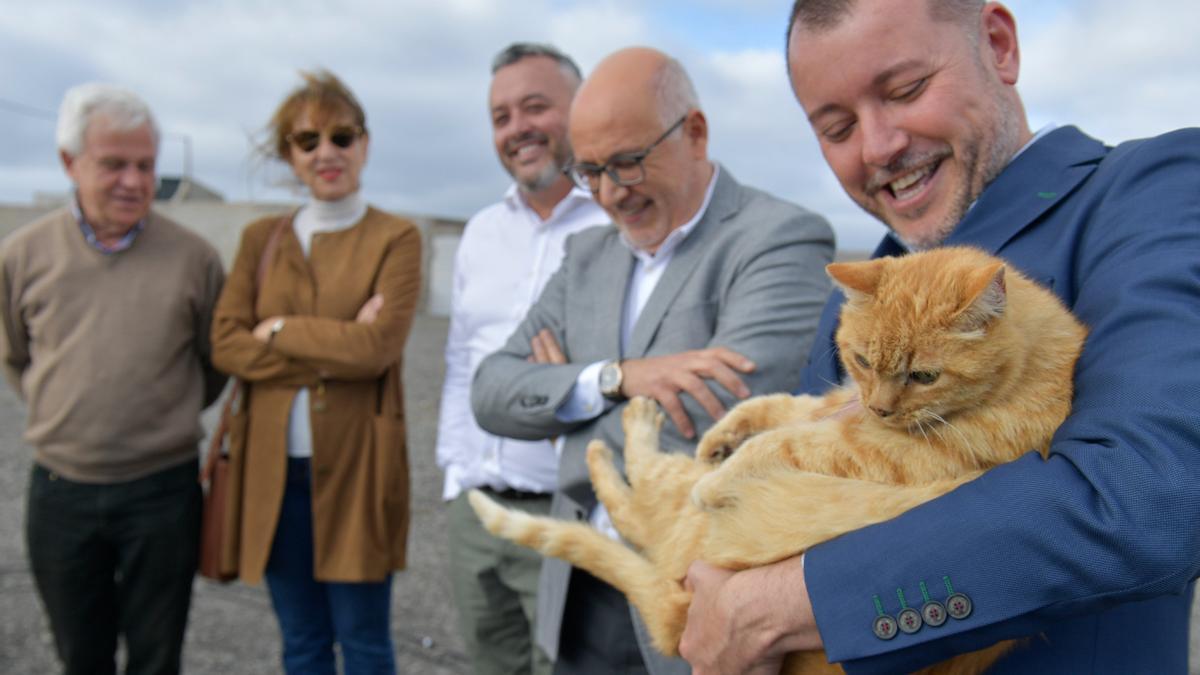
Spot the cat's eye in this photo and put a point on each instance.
(862, 361)
(924, 376)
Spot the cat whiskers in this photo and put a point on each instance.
(853, 405)
(921, 428)
(965, 440)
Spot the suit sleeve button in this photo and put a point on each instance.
(884, 627)
(909, 620)
(934, 613)
(958, 606)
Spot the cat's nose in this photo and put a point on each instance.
(880, 411)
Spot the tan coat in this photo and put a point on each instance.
(352, 370)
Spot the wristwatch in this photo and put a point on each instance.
(610, 380)
(275, 328)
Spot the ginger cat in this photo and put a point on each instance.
(958, 364)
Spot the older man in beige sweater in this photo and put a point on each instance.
(105, 310)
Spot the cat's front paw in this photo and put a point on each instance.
(730, 432)
(721, 441)
(715, 448)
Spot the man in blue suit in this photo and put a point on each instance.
(1089, 555)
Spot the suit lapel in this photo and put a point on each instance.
(1031, 185)
(684, 262)
(616, 260)
(824, 369)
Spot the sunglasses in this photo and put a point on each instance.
(308, 140)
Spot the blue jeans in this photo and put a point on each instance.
(115, 559)
(314, 615)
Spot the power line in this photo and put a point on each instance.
(30, 111)
(27, 110)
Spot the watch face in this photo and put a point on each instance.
(610, 379)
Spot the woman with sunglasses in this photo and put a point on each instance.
(313, 320)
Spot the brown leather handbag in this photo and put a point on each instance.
(221, 475)
(222, 478)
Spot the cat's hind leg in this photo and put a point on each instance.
(642, 423)
(612, 491)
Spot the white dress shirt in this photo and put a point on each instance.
(506, 256)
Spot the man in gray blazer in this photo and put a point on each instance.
(704, 293)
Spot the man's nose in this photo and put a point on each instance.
(882, 140)
(610, 193)
(131, 176)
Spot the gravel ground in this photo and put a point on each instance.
(232, 629)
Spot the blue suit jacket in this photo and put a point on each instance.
(1089, 554)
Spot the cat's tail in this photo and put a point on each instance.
(662, 602)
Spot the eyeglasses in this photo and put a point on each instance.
(308, 140)
(625, 169)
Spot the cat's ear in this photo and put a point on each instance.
(858, 280)
(985, 298)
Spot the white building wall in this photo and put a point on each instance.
(221, 224)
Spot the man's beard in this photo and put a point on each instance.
(544, 178)
(983, 165)
(559, 160)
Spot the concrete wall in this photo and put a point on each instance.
(221, 224)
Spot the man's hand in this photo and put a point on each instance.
(746, 622)
(664, 377)
(545, 349)
(370, 309)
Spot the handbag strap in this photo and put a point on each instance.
(268, 253)
(239, 387)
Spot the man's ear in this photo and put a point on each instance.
(68, 163)
(695, 130)
(999, 32)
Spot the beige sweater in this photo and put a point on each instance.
(110, 352)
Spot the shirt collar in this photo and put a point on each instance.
(676, 237)
(89, 234)
(515, 199)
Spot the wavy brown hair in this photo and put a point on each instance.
(324, 97)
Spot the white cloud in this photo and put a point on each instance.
(1120, 70)
(215, 70)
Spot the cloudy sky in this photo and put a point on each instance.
(214, 70)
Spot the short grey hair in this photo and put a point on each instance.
(674, 92)
(122, 108)
(823, 15)
(523, 50)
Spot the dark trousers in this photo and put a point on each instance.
(597, 635)
(314, 615)
(115, 559)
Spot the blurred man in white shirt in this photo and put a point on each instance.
(507, 253)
